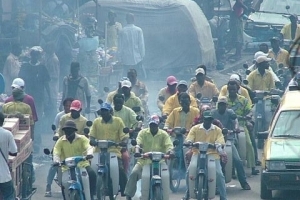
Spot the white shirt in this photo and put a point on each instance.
(275, 77)
(131, 47)
(58, 117)
(7, 144)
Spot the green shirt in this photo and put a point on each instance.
(127, 115)
(241, 106)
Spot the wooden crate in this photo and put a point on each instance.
(22, 138)
(14, 162)
(11, 126)
(25, 123)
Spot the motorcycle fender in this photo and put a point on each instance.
(145, 185)
(165, 180)
(85, 183)
(211, 176)
(114, 172)
(94, 162)
(192, 173)
(228, 166)
(242, 145)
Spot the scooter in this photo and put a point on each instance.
(230, 140)
(206, 101)
(155, 176)
(202, 171)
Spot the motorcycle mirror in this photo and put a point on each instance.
(215, 99)
(106, 89)
(139, 118)
(225, 131)
(278, 84)
(248, 72)
(198, 96)
(86, 131)
(53, 127)
(175, 142)
(47, 151)
(126, 130)
(245, 66)
(133, 142)
(161, 98)
(136, 109)
(183, 130)
(89, 123)
(100, 101)
(280, 66)
(245, 82)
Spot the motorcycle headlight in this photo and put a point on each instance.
(275, 165)
(70, 162)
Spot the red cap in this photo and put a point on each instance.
(171, 80)
(76, 105)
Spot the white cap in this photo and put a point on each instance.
(259, 53)
(126, 83)
(261, 59)
(18, 83)
(199, 70)
(235, 77)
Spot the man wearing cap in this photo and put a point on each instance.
(108, 127)
(131, 100)
(280, 55)
(75, 116)
(206, 88)
(242, 108)
(69, 145)
(207, 132)
(166, 92)
(150, 139)
(291, 31)
(173, 101)
(229, 120)
(139, 89)
(261, 79)
(110, 95)
(207, 78)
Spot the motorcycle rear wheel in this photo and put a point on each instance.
(101, 194)
(175, 176)
(74, 195)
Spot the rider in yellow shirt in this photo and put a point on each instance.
(166, 92)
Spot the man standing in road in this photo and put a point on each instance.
(113, 29)
(131, 47)
(7, 147)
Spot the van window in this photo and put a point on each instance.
(287, 123)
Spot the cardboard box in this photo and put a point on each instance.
(15, 120)
(11, 126)
(22, 138)
(24, 123)
(14, 162)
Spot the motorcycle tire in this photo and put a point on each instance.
(74, 195)
(101, 193)
(175, 174)
(157, 193)
(200, 188)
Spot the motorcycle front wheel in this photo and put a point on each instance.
(200, 188)
(157, 193)
(175, 176)
(74, 195)
(101, 193)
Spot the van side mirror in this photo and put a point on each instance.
(86, 131)
(47, 151)
(263, 135)
(161, 98)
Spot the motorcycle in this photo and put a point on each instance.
(202, 171)
(155, 176)
(206, 101)
(230, 140)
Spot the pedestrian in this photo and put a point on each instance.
(7, 147)
(12, 66)
(113, 30)
(131, 47)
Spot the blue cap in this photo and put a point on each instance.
(105, 106)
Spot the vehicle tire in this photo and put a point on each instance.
(74, 195)
(200, 188)
(175, 176)
(157, 192)
(100, 189)
(264, 192)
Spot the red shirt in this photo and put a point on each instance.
(28, 100)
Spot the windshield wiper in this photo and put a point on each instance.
(287, 135)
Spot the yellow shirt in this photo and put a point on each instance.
(80, 124)
(79, 147)
(133, 101)
(113, 130)
(127, 115)
(175, 118)
(161, 142)
(110, 97)
(286, 32)
(173, 102)
(140, 90)
(15, 107)
(199, 134)
(242, 91)
(208, 90)
(112, 34)
(281, 57)
(163, 93)
(258, 82)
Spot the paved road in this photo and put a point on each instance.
(233, 189)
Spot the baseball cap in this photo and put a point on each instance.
(171, 80)
(207, 114)
(124, 78)
(261, 59)
(199, 70)
(76, 105)
(70, 124)
(235, 77)
(18, 83)
(105, 106)
(222, 99)
(275, 39)
(126, 83)
(182, 82)
(154, 119)
(259, 53)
